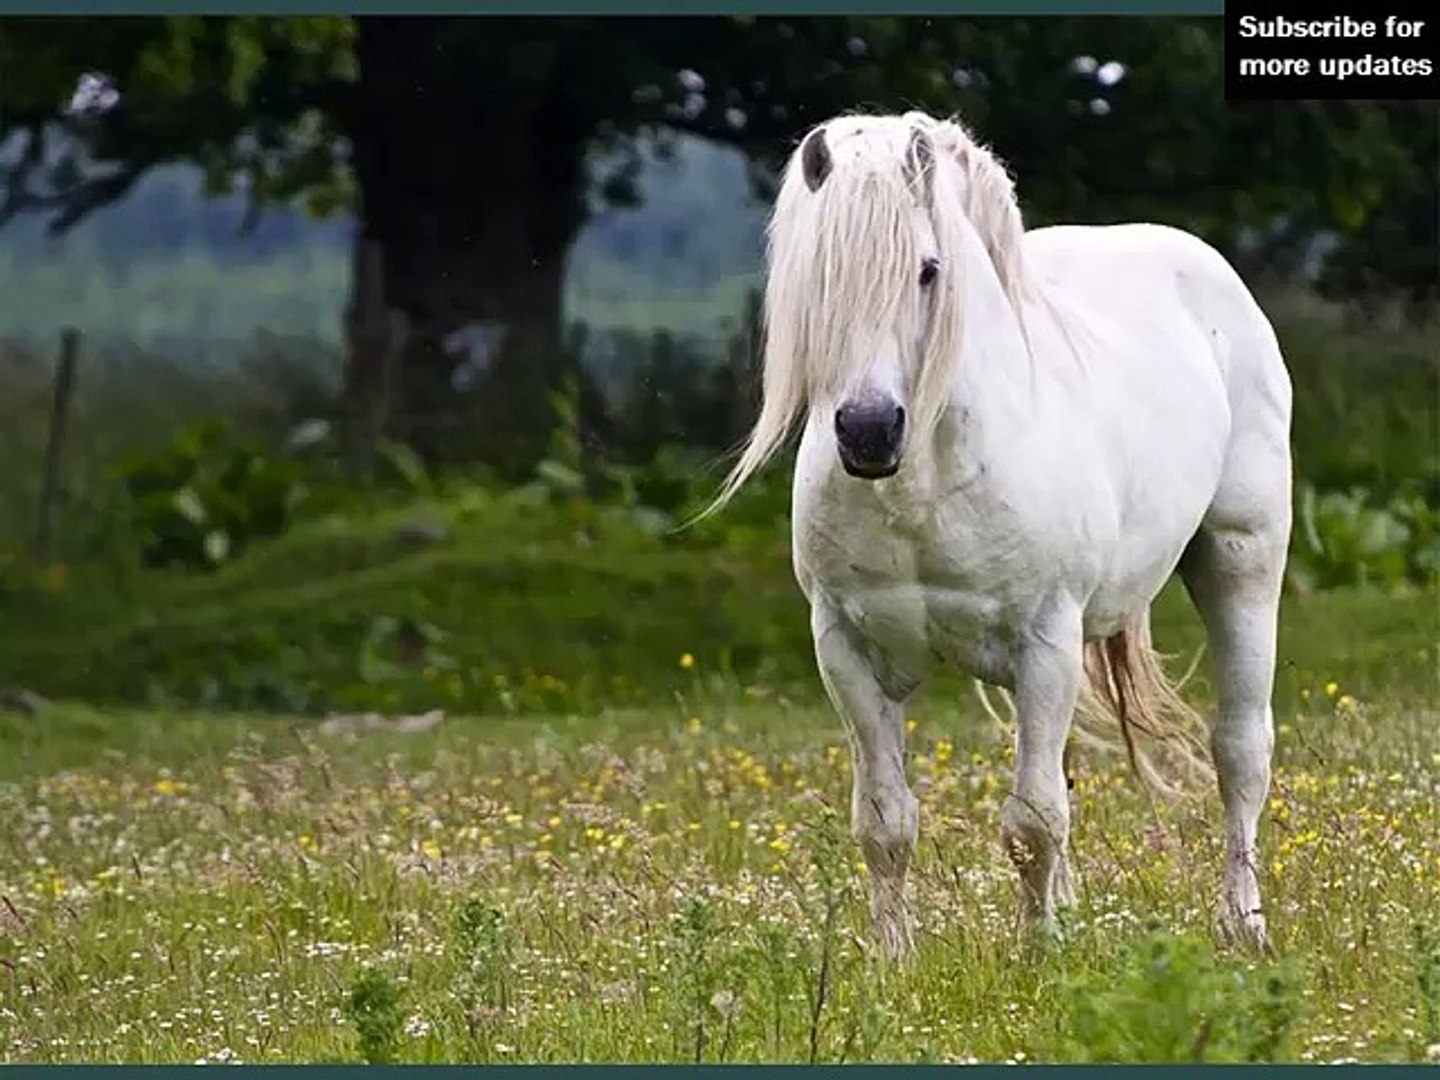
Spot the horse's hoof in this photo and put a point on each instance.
(1048, 934)
(1062, 886)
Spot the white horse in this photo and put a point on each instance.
(1011, 440)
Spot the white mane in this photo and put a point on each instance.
(842, 259)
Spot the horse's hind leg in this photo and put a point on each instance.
(1233, 570)
(885, 815)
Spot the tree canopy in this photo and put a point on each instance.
(467, 146)
(270, 102)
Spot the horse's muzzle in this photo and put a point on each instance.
(869, 436)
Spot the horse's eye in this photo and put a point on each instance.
(928, 269)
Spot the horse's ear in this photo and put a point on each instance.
(815, 162)
(920, 163)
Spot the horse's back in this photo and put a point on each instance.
(1143, 270)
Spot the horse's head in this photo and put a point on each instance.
(876, 221)
(860, 294)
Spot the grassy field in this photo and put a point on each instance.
(670, 880)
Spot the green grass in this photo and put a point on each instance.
(187, 887)
(515, 620)
(647, 873)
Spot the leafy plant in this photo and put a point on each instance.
(1169, 999)
(1349, 538)
(203, 498)
(394, 646)
(373, 1007)
(485, 943)
(1427, 979)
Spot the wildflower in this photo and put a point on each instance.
(693, 724)
(430, 848)
(1345, 703)
(56, 575)
(1332, 688)
(166, 786)
(687, 661)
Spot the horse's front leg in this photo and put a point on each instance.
(1035, 819)
(885, 815)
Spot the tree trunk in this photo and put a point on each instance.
(471, 177)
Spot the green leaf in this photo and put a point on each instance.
(406, 464)
(217, 546)
(560, 476)
(189, 505)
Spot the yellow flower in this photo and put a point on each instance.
(166, 786)
(779, 845)
(1332, 688)
(734, 826)
(1345, 703)
(430, 848)
(910, 726)
(306, 841)
(693, 724)
(617, 841)
(56, 575)
(943, 751)
(687, 661)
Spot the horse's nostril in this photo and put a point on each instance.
(870, 431)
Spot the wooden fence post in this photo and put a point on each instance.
(52, 489)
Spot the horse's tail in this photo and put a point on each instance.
(1127, 691)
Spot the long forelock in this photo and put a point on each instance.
(842, 263)
(987, 193)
